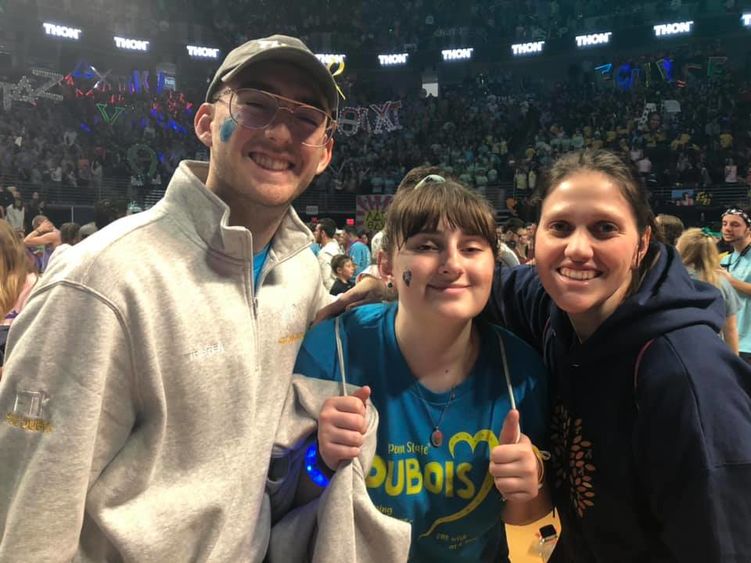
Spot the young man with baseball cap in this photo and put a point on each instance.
(147, 435)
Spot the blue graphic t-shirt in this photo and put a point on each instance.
(446, 493)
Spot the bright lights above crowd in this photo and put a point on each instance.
(457, 54)
(328, 58)
(527, 48)
(593, 39)
(393, 59)
(202, 52)
(672, 28)
(61, 31)
(131, 44)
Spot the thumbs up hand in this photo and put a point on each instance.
(341, 427)
(513, 463)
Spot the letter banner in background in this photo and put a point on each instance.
(23, 91)
(376, 118)
(371, 211)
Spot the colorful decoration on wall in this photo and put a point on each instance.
(110, 113)
(371, 211)
(143, 160)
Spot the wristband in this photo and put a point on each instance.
(311, 466)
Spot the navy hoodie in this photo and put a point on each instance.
(648, 464)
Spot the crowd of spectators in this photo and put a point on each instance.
(501, 129)
(490, 130)
(133, 140)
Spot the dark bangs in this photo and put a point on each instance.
(423, 209)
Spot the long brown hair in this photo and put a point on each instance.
(14, 267)
(699, 251)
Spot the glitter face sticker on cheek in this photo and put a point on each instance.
(407, 277)
(228, 128)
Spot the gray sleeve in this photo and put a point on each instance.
(67, 407)
(507, 256)
(732, 301)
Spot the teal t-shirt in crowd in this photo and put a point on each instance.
(445, 492)
(258, 261)
(739, 266)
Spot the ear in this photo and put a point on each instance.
(327, 152)
(641, 250)
(202, 123)
(385, 265)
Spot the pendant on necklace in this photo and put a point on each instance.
(436, 437)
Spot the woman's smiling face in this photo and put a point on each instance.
(588, 246)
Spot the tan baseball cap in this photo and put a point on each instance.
(277, 48)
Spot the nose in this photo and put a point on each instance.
(579, 246)
(452, 262)
(279, 130)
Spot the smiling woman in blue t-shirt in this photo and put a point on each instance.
(449, 449)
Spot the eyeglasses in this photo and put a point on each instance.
(257, 109)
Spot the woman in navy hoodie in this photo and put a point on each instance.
(651, 433)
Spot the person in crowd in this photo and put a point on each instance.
(517, 238)
(651, 430)
(736, 269)
(16, 281)
(341, 238)
(531, 231)
(148, 438)
(324, 234)
(42, 241)
(357, 250)
(698, 251)
(6, 198)
(35, 206)
(505, 254)
(16, 214)
(441, 381)
(344, 269)
(669, 228)
(70, 235)
(315, 248)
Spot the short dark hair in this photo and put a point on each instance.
(350, 230)
(69, 233)
(512, 224)
(339, 261)
(328, 226)
(669, 228)
(108, 210)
